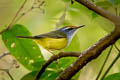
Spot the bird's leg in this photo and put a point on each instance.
(53, 54)
(58, 51)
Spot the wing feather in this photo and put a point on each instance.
(52, 34)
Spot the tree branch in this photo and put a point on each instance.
(54, 58)
(100, 11)
(90, 54)
(95, 50)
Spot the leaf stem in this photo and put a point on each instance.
(7, 71)
(104, 63)
(9, 74)
(111, 65)
(14, 18)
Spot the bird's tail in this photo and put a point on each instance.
(29, 37)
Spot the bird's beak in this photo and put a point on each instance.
(80, 26)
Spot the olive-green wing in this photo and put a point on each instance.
(52, 34)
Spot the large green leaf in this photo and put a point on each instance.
(115, 76)
(26, 51)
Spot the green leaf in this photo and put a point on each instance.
(47, 75)
(115, 76)
(26, 51)
(94, 15)
(30, 76)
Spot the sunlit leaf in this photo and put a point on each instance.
(26, 51)
(47, 75)
(115, 76)
(30, 76)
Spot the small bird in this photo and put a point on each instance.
(57, 39)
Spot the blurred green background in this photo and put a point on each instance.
(38, 22)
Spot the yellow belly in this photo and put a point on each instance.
(52, 43)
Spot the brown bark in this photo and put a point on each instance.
(95, 50)
(54, 58)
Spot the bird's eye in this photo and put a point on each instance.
(69, 28)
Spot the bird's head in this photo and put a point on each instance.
(70, 29)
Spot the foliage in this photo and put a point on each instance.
(26, 51)
(48, 75)
(115, 76)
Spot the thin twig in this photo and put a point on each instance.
(4, 54)
(9, 75)
(19, 10)
(14, 18)
(111, 65)
(62, 18)
(104, 63)
(115, 19)
(54, 58)
(42, 3)
(29, 10)
(117, 47)
(7, 71)
(3, 31)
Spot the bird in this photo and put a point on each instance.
(57, 39)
